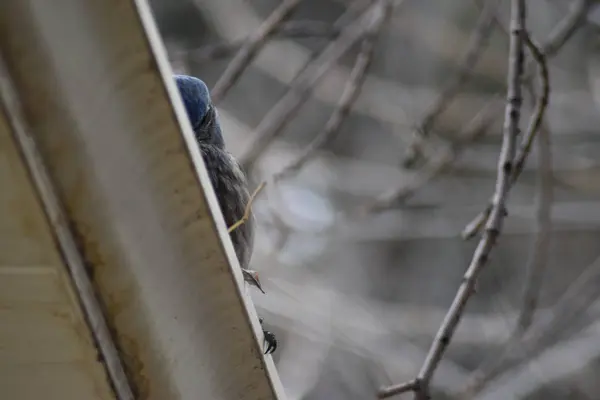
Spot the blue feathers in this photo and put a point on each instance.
(202, 114)
(195, 98)
(227, 179)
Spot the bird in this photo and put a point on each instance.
(226, 176)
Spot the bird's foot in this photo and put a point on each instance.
(269, 340)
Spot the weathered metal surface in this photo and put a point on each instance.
(97, 104)
(46, 348)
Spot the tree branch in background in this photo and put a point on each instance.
(477, 44)
(525, 148)
(349, 96)
(567, 27)
(347, 99)
(576, 300)
(539, 256)
(436, 166)
(280, 115)
(290, 30)
(246, 54)
(353, 11)
(494, 222)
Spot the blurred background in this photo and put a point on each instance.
(377, 126)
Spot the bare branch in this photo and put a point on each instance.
(290, 30)
(534, 125)
(477, 44)
(559, 363)
(567, 27)
(436, 165)
(538, 112)
(539, 256)
(353, 11)
(494, 223)
(349, 96)
(394, 390)
(244, 57)
(279, 116)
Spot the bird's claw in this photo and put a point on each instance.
(270, 342)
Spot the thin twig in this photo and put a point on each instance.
(477, 44)
(538, 112)
(539, 257)
(248, 208)
(289, 30)
(246, 54)
(494, 223)
(436, 166)
(280, 115)
(353, 11)
(534, 125)
(349, 96)
(395, 390)
(565, 29)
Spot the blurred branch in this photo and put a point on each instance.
(349, 96)
(566, 27)
(539, 257)
(579, 296)
(279, 116)
(534, 125)
(290, 29)
(358, 317)
(553, 366)
(477, 43)
(247, 52)
(354, 10)
(435, 166)
(494, 222)
(381, 98)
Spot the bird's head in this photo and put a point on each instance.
(251, 277)
(201, 112)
